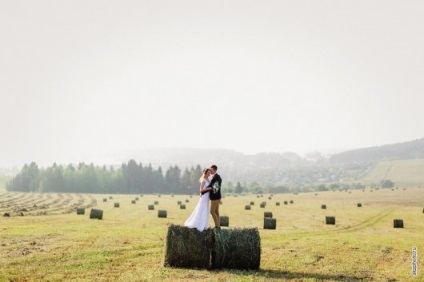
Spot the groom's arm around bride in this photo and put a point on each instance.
(215, 195)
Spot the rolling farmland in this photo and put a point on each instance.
(408, 173)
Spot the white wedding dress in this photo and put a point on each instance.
(200, 216)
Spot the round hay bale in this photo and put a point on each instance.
(182, 207)
(6, 214)
(323, 207)
(270, 198)
(137, 198)
(277, 203)
(162, 213)
(191, 196)
(104, 200)
(150, 207)
(236, 249)
(156, 202)
(187, 200)
(116, 205)
(398, 223)
(330, 220)
(270, 223)
(291, 202)
(286, 203)
(359, 205)
(110, 197)
(268, 214)
(133, 201)
(224, 221)
(159, 195)
(263, 204)
(258, 196)
(423, 210)
(188, 247)
(80, 210)
(252, 203)
(247, 207)
(96, 214)
(179, 202)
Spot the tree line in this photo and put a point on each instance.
(129, 178)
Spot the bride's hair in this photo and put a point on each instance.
(206, 170)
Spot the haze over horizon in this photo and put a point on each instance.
(94, 81)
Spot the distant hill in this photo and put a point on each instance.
(231, 164)
(400, 151)
(187, 157)
(404, 173)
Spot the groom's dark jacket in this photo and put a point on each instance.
(215, 184)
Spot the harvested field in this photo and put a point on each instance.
(51, 242)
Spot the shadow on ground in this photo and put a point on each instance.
(275, 274)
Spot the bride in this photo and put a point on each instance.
(200, 215)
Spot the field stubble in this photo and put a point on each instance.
(128, 244)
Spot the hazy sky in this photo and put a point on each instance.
(90, 80)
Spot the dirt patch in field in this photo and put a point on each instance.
(15, 247)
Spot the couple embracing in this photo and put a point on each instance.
(210, 189)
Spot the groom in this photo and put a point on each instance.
(215, 195)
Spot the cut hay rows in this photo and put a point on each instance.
(31, 204)
(133, 238)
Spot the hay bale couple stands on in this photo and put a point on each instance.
(210, 189)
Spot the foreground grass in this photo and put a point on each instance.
(128, 244)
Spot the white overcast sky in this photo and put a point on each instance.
(86, 80)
